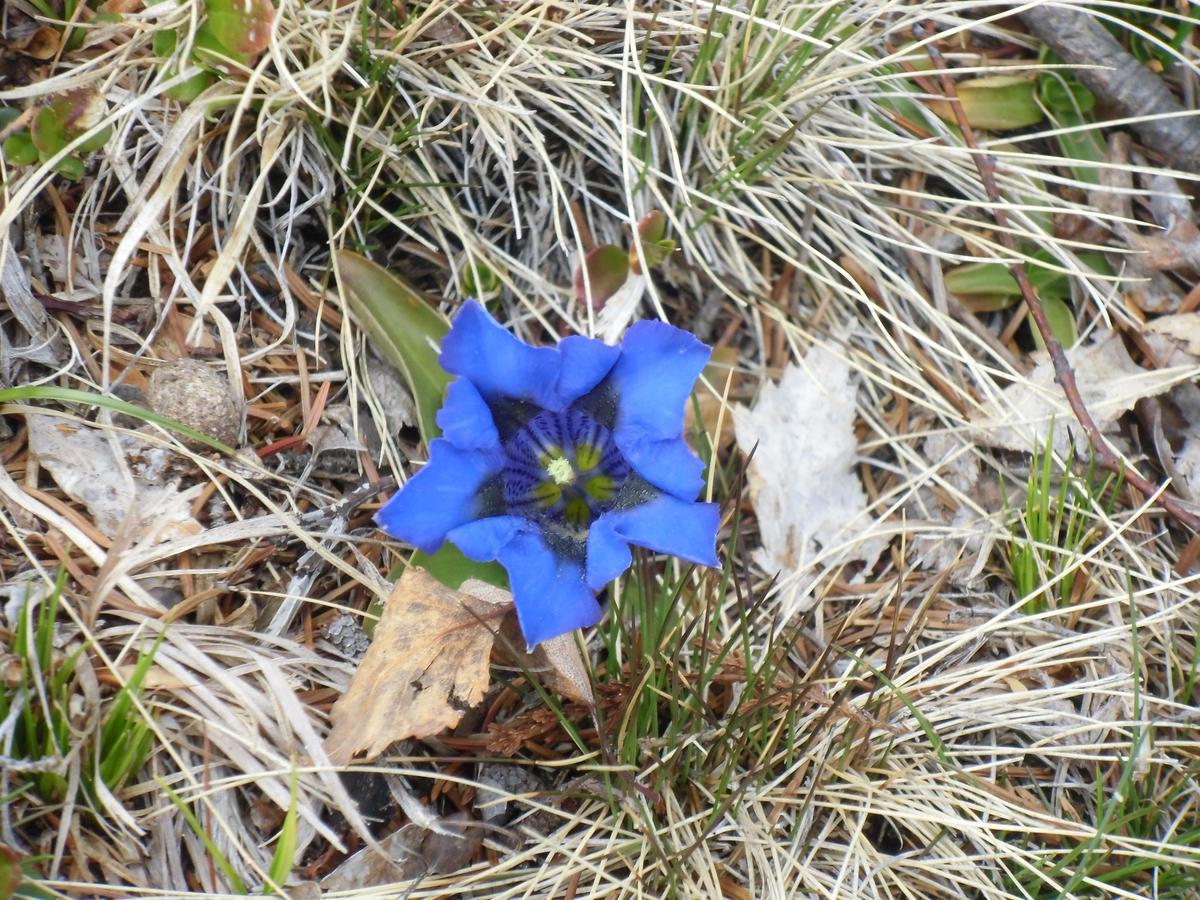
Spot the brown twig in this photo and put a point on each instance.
(1105, 456)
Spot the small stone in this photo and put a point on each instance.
(194, 395)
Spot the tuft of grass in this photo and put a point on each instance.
(1055, 527)
(38, 700)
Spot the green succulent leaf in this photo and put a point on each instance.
(20, 150)
(604, 270)
(70, 167)
(404, 328)
(241, 26)
(1062, 323)
(49, 132)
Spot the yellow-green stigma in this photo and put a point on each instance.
(560, 470)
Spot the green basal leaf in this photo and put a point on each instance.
(242, 26)
(653, 227)
(1062, 323)
(1069, 105)
(656, 246)
(604, 270)
(96, 141)
(8, 115)
(49, 133)
(164, 42)
(19, 149)
(192, 88)
(452, 568)
(70, 167)
(404, 328)
(285, 848)
(996, 103)
(209, 50)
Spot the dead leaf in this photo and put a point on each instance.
(86, 467)
(41, 45)
(411, 852)
(1110, 383)
(427, 665)
(1183, 328)
(565, 670)
(802, 480)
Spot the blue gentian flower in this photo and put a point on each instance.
(553, 460)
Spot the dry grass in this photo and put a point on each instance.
(910, 730)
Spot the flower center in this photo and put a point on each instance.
(562, 470)
(559, 468)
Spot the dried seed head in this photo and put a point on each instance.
(193, 394)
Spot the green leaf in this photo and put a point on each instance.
(285, 848)
(404, 328)
(19, 149)
(656, 246)
(1062, 323)
(995, 103)
(49, 132)
(653, 227)
(452, 568)
(189, 90)
(243, 26)
(480, 281)
(209, 50)
(201, 832)
(70, 167)
(604, 270)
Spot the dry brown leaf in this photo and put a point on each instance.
(1020, 417)
(427, 665)
(565, 670)
(1184, 328)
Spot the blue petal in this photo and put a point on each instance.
(585, 362)
(653, 379)
(465, 419)
(442, 496)
(497, 363)
(549, 590)
(483, 539)
(669, 465)
(664, 524)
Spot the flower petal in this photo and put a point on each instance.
(465, 419)
(497, 363)
(664, 524)
(483, 539)
(549, 590)
(446, 493)
(669, 465)
(585, 362)
(652, 380)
